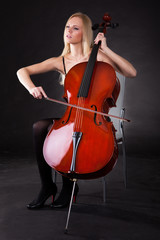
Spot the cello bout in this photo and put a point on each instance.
(82, 145)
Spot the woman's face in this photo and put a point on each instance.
(74, 30)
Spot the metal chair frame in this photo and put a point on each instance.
(119, 110)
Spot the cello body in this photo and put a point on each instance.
(81, 144)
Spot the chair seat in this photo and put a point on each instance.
(119, 140)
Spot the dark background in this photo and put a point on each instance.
(33, 31)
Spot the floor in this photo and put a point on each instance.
(129, 214)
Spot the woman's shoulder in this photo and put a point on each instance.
(55, 62)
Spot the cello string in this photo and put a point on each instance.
(79, 116)
(79, 113)
(90, 65)
(87, 76)
(81, 100)
(76, 124)
(82, 112)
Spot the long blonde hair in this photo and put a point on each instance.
(87, 40)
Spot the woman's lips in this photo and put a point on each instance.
(68, 36)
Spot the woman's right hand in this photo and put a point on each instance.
(38, 92)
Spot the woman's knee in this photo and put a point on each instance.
(41, 126)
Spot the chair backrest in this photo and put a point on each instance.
(119, 106)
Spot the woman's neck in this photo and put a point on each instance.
(76, 51)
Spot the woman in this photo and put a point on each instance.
(78, 40)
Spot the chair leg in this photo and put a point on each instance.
(124, 158)
(124, 165)
(55, 177)
(123, 149)
(104, 189)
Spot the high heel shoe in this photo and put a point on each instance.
(42, 197)
(65, 196)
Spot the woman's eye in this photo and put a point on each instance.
(75, 28)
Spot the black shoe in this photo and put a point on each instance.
(42, 197)
(65, 196)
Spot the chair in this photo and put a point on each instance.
(119, 110)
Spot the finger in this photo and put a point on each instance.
(37, 94)
(33, 94)
(97, 39)
(43, 92)
(101, 34)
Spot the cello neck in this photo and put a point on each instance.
(86, 80)
(85, 84)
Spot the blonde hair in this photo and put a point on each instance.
(87, 40)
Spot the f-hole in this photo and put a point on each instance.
(64, 122)
(95, 116)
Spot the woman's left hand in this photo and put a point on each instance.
(102, 38)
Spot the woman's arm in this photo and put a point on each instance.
(119, 63)
(24, 74)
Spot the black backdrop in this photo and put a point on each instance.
(33, 31)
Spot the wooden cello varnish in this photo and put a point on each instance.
(81, 144)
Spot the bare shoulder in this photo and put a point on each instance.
(54, 63)
(59, 64)
(50, 64)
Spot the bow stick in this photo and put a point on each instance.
(85, 109)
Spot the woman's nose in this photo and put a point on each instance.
(69, 30)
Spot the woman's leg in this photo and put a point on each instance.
(40, 130)
(64, 197)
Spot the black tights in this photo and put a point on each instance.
(40, 130)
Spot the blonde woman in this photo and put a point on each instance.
(78, 41)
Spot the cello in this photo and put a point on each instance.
(73, 146)
(82, 144)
